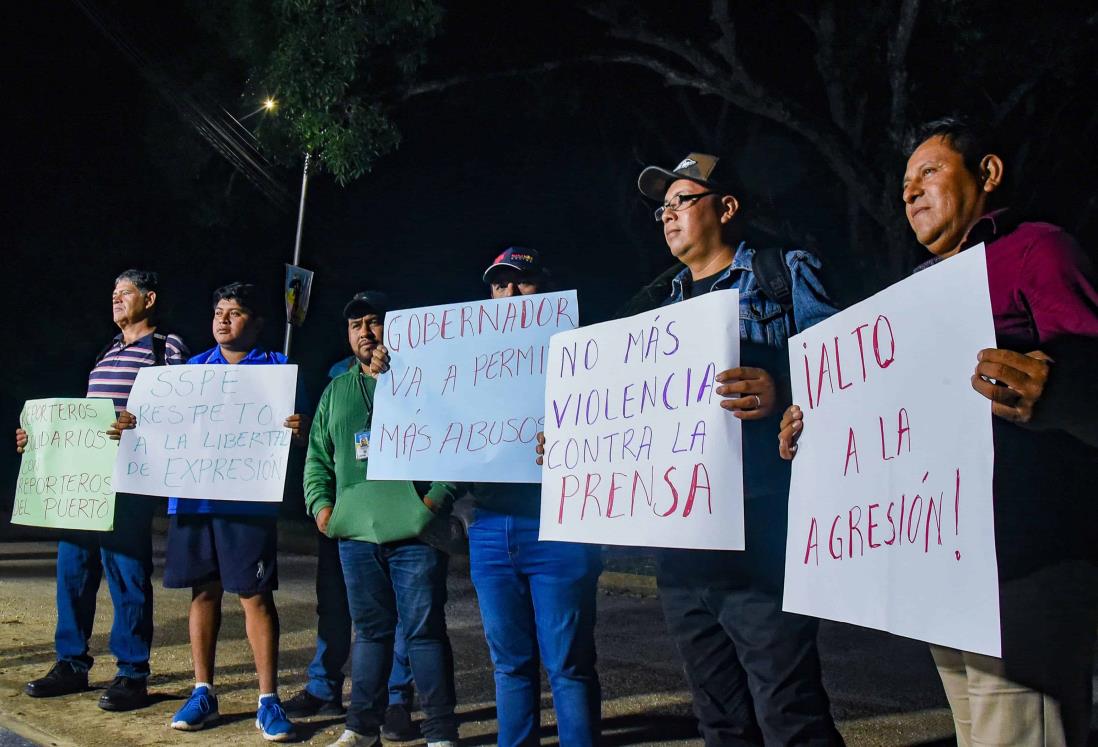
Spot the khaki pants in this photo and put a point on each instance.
(1039, 693)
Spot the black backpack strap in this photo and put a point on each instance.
(650, 296)
(159, 349)
(772, 275)
(103, 353)
(159, 346)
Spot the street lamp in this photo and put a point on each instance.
(269, 105)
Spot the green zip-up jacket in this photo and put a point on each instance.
(369, 510)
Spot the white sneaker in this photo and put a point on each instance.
(444, 743)
(354, 739)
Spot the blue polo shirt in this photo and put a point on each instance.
(255, 357)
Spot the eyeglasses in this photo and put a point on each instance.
(679, 202)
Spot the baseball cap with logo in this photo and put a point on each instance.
(697, 167)
(517, 258)
(366, 302)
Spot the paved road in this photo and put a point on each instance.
(884, 689)
(11, 739)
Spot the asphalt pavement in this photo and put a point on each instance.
(884, 689)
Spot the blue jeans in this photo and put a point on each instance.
(333, 635)
(406, 578)
(538, 597)
(125, 556)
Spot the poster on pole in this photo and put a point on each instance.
(890, 508)
(66, 472)
(298, 288)
(465, 394)
(208, 431)
(638, 450)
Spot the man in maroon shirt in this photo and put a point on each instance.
(1044, 301)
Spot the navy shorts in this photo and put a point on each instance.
(239, 551)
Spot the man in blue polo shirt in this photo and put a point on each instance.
(216, 546)
(124, 554)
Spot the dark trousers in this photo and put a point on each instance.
(124, 556)
(753, 670)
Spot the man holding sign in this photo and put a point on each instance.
(1044, 302)
(387, 568)
(223, 545)
(1044, 297)
(124, 554)
(753, 669)
(537, 599)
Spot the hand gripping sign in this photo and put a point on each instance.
(637, 448)
(65, 475)
(208, 431)
(464, 397)
(890, 506)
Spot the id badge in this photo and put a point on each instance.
(362, 445)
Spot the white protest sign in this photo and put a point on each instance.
(638, 450)
(464, 397)
(65, 474)
(890, 507)
(208, 431)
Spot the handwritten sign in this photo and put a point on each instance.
(890, 507)
(466, 392)
(208, 431)
(638, 449)
(65, 475)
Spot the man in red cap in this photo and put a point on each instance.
(537, 599)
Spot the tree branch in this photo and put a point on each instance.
(649, 38)
(442, 84)
(897, 69)
(1037, 74)
(823, 28)
(830, 142)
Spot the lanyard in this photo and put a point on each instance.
(367, 401)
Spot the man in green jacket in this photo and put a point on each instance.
(386, 567)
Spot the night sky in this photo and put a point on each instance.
(103, 176)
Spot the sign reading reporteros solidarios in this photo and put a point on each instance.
(65, 476)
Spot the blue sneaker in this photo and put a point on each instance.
(200, 710)
(272, 721)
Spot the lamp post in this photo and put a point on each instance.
(297, 243)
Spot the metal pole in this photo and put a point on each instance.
(297, 243)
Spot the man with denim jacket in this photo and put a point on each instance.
(754, 670)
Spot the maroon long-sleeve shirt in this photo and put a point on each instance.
(1044, 296)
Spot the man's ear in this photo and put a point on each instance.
(150, 299)
(729, 207)
(991, 172)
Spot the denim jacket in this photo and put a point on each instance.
(763, 321)
(765, 328)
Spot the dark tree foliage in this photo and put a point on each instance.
(334, 67)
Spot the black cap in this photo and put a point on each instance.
(697, 167)
(366, 302)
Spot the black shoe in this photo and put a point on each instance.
(125, 694)
(305, 704)
(63, 679)
(398, 726)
